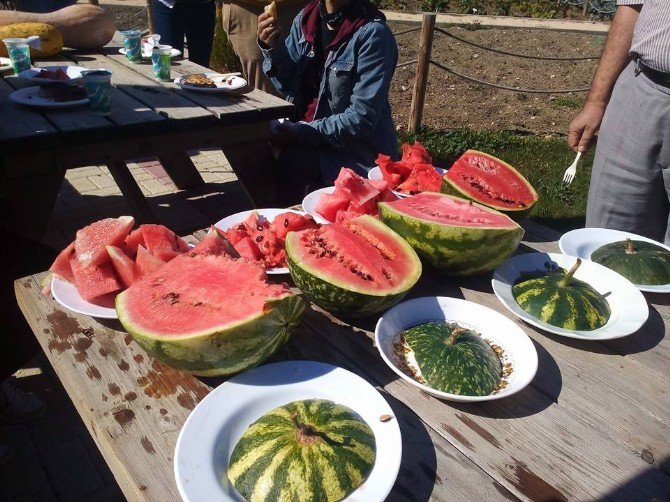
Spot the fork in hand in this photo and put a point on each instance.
(570, 171)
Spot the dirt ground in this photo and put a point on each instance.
(452, 102)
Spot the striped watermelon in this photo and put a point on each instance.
(640, 262)
(359, 267)
(559, 299)
(454, 359)
(453, 234)
(311, 450)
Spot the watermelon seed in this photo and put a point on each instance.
(385, 418)
(285, 222)
(197, 304)
(259, 238)
(259, 228)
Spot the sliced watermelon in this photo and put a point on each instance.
(415, 154)
(388, 169)
(91, 241)
(248, 249)
(330, 204)
(370, 207)
(214, 243)
(61, 265)
(145, 263)
(291, 222)
(380, 185)
(161, 242)
(123, 265)
(95, 281)
(134, 239)
(356, 188)
(423, 178)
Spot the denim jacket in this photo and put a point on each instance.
(353, 122)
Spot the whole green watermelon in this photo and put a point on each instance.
(310, 450)
(640, 262)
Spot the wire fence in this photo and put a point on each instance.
(598, 8)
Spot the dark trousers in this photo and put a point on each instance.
(193, 19)
(299, 174)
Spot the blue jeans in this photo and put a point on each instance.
(193, 19)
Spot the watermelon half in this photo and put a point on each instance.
(453, 234)
(492, 182)
(359, 267)
(209, 314)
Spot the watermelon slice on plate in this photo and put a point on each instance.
(61, 265)
(91, 241)
(123, 264)
(95, 281)
(162, 242)
(145, 263)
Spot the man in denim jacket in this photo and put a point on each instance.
(336, 66)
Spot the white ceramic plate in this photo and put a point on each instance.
(31, 75)
(517, 347)
(268, 214)
(30, 96)
(312, 199)
(220, 81)
(147, 53)
(5, 64)
(67, 295)
(584, 241)
(212, 430)
(629, 307)
(376, 174)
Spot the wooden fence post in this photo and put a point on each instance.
(422, 66)
(150, 18)
(585, 8)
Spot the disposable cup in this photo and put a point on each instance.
(149, 42)
(132, 42)
(19, 54)
(97, 84)
(161, 59)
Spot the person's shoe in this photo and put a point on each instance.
(18, 407)
(6, 453)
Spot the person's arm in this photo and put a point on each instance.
(615, 57)
(280, 57)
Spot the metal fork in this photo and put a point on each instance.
(572, 170)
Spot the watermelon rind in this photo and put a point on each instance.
(273, 460)
(455, 249)
(640, 262)
(450, 187)
(224, 349)
(339, 297)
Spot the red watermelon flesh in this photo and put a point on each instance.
(423, 178)
(61, 265)
(415, 154)
(135, 238)
(388, 169)
(291, 222)
(236, 234)
(161, 242)
(249, 250)
(95, 281)
(356, 188)
(380, 185)
(370, 207)
(123, 265)
(330, 204)
(203, 291)
(91, 241)
(214, 243)
(145, 263)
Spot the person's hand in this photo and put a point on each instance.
(268, 31)
(584, 126)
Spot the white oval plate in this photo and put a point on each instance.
(312, 199)
(30, 96)
(584, 241)
(31, 75)
(493, 326)
(213, 428)
(629, 307)
(268, 214)
(147, 54)
(376, 174)
(68, 296)
(219, 80)
(5, 64)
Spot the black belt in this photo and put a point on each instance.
(656, 76)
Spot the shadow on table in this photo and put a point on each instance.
(651, 484)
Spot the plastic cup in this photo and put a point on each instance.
(19, 54)
(97, 84)
(132, 42)
(149, 42)
(161, 59)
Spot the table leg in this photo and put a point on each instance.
(181, 170)
(132, 193)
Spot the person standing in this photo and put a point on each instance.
(629, 102)
(240, 19)
(174, 19)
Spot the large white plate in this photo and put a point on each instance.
(219, 80)
(584, 241)
(31, 75)
(629, 307)
(5, 64)
(312, 199)
(376, 174)
(147, 53)
(67, 295)
(211, 431)
(30, 96)
(268, 214)
(493, 326)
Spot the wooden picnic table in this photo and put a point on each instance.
(148, 118)
(592, 425)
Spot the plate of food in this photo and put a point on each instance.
(58, 73)
(69, 297)
(5, 64)
(50, 96)
(259, 234)
(643, 261)
(428, 180)
(211, 82)
(146, 51)
(308, 403)
(311, 200)
(569, 296)
(448, 335)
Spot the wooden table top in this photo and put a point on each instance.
(140, 105)
(593, 424)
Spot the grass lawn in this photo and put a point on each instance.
(541, 160)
